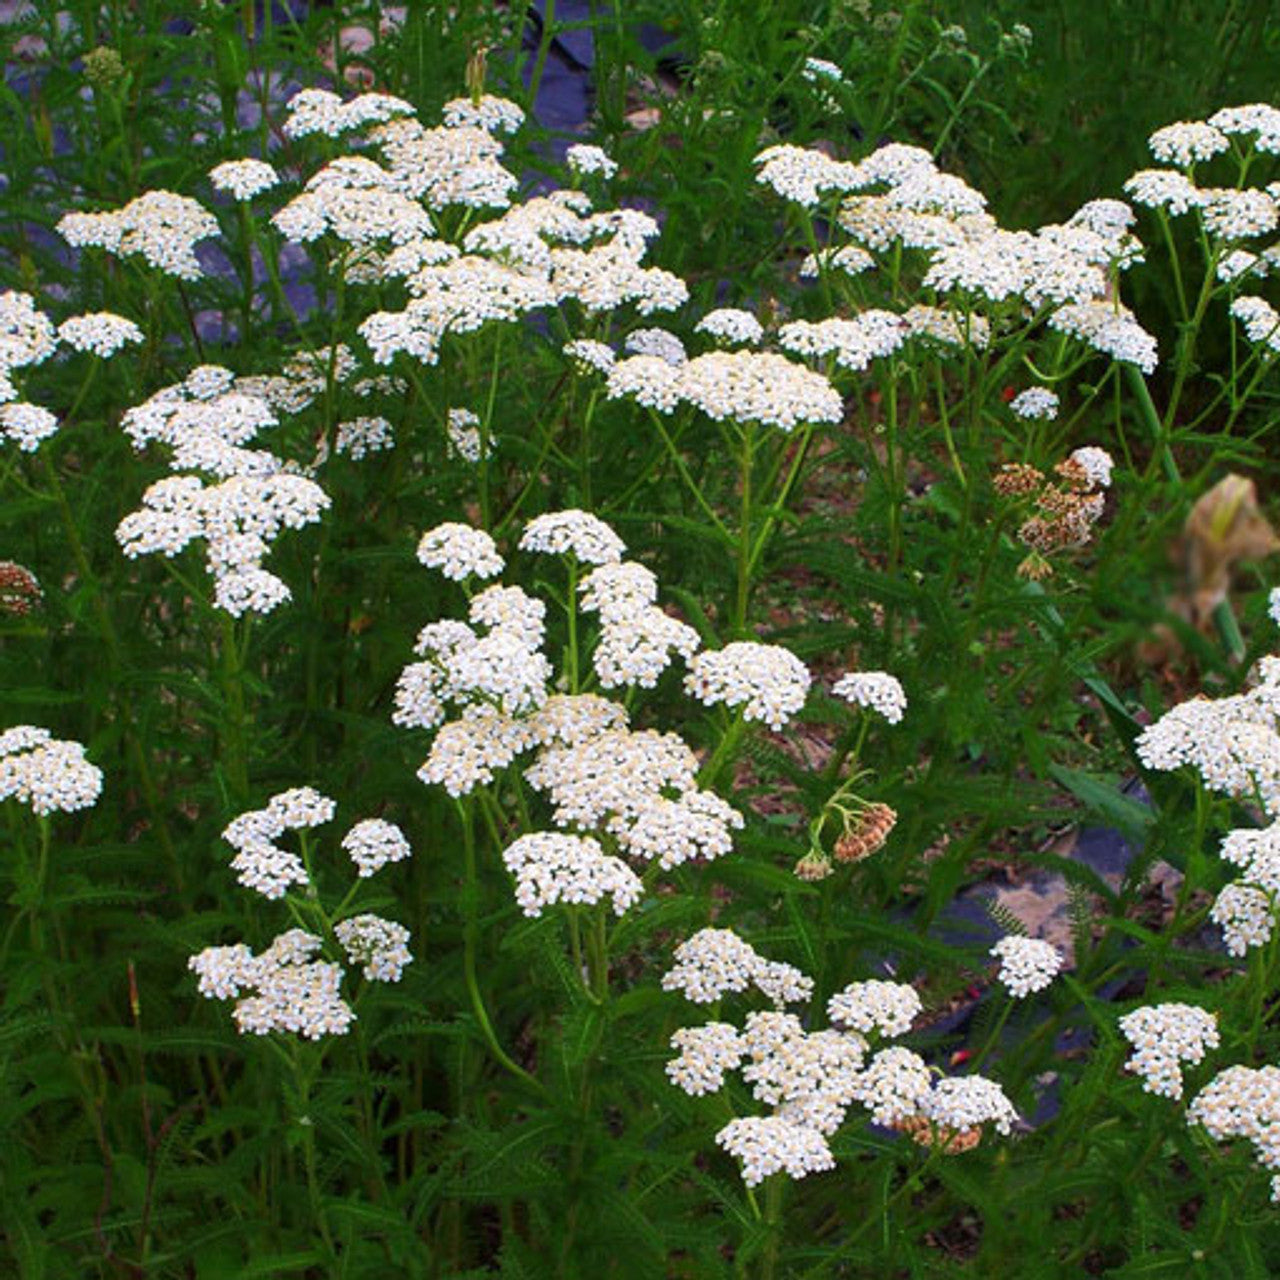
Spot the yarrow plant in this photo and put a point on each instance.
(646, 551)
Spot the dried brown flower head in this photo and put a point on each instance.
(19, 591)
(866, 833)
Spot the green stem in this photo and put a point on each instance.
(471, 905)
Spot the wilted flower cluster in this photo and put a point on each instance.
(49, 774)
(1063, 514)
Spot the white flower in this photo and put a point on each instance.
(243, 179)
(1163, 189)
(50, 774)
(591, 354)
(1187, 142)
(887, 1007)
(1026, 964)
(711, 964)
(768, 1144)
(1163, 1036)
(876, 690)
(697, 825)
(656, 342)
(294, 993)
(1096, 463)
(493, 114)
(459, 552)
(767, 681)
(551, 867)
(101, 332)
(584, 159)
(373, 843)
(715, 962)
(27, 424)
(249, 589)
(706, 1053)
(757, 386)
(731, 324)
(891, 1087)
(381, 946)
(1246, 915)
(573, 532)
(1035, 402)
(967, 1102)
(1110, 330)
(359, 437)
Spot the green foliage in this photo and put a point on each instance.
(506, 1107)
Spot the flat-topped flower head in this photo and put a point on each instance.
(767, 681)
(1163, 1037)
(49, 774)
(27, 424)
(373, 843)
(770, 1144)
(293, 992)
(1187, 142)
(715, 962)
(758, 386)
(731, 324)
(488, 112)
(1246, 914)
(878, 691)
(460, 552)
(706, 1053)
(551, 867)
(892, 1085)
(101, 332)
(584, 159)
(964, 1103)
(243, 179)
(886, 1007)
(1035, 403)
(381, 946)
(574, 532)
(1027, 964)
(1165, 189)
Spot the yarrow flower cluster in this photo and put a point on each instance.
(262, 865)
(811, 1078)
(1244, 1102)
(292, 991)
(885, 1007)
(459, 552)
(716, 962)
(1038, 403)
(876, 690)
(1027, 964)
(767, 682)
(373, 843)
(551, 867)
(1163, 1037)
(49, 774)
